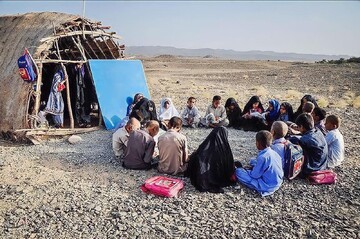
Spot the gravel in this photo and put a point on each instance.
(60, 190)
(63, 190)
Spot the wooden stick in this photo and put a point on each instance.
(68, 100)
(57, 131)
(58, 61)
(112, 54)
(76, 33)
(38, 90)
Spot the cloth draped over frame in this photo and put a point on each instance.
(80, 111)
(55, 103)
(211, 166)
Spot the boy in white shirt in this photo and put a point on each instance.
(190, 116)
(335, 141)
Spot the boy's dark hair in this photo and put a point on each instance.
(216, 97)
(305, 120)
(191, 98)
(319, 112)
(175, 122)
(309, 107)
(264, 138)
(333, 119)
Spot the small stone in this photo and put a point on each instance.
(73, 139)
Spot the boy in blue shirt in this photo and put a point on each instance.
(266, 174)
(313, 144)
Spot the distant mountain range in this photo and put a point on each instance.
(227, 54)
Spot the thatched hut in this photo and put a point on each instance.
(52, 39)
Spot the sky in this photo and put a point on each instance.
(321, 27)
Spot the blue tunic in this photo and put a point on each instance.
(55, 104)
(267, 174)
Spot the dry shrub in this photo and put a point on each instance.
(261, 91)
(356, 102)
(349, 96)
(231, 93)
(206, 95)
(340, 104)
(293, 94)
(322, 102)
(278, 97)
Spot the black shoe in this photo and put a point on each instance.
(238, 164)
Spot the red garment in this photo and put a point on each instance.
(60, 87)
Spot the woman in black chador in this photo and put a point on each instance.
(81, 116)
(211, 166)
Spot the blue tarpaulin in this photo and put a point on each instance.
(116, 83)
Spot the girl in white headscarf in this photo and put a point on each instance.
(167, 110)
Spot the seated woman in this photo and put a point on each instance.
(167, 111)
(131, 103)
(233, 113)
(137, 98)
(144, 111)
(306, 98)
(211, 166)
(272, 112)
(251, 116)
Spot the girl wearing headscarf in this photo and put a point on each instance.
(167, 110)
(286, 112)
(233, 112)
(272, 112)
(251, 118)
(211, 166)
(306, 98)
(55, 103)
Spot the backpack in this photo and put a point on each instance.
(322, 177)
(144, 111)
(162, 186)
(294, 160)
(26, 67)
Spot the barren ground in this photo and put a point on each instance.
(59, 190)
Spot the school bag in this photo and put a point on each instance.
(26, 67)
(294, 160)
(322, 177)
(163, 186)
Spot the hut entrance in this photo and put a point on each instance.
(84, 103)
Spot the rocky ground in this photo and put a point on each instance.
(62, 190)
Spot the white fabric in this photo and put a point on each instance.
(167, 114)
(336, 147)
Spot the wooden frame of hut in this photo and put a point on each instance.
(52, 38)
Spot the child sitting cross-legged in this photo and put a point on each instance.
(319, 116)
(173, 151)
(279, 129)
(215, 114)
(190, 116)
(335, 141)
(313, 144)
(266, 173)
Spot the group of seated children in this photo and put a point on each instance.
(319, 138)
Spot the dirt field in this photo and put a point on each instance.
(59, 190)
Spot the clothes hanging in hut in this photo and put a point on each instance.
(55, 103)
(81, 116)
